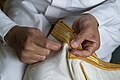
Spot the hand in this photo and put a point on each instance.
(30, 44)
(86, 28)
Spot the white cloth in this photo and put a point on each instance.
(58, 67)
(5, 25)
(9, 63)
(41, 13)
(10, 66)
(63, 66)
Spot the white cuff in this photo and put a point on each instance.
(50, 1)
(5, 24)
(59, 3)
(52, 12)
(106, 13)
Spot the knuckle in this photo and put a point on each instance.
(44, 52)
(29, 47)
(30, 38)
(46, 44)
(88, 54)
(47, 52)
(97, 46)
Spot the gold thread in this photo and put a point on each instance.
(65, 34)
(82, 68)
(97, 62)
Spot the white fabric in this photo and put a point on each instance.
(51, 69)
(5, 24)
(58, 67)
(40, 14)
(74, 4)
(9, 63)
(33, 13)
(10, 66)
(50, 12)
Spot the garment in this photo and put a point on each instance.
(63, 65)
(42, 13)
(39, 13)
(9, 62)
(5, 24)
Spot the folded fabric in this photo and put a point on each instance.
(63, 65)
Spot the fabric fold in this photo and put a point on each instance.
(63, 65)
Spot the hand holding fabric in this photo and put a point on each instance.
(30, 44)
(86, 28)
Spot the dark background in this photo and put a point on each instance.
(116, 56)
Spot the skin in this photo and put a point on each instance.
(32, 46)
(86, 27)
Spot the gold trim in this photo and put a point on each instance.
(82, 68)
(62, 33)
(65, 34)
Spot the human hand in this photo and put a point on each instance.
(30, 44)
(86, 28)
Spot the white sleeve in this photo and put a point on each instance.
(108, 17)
(75, 4)
(63, 8)
(108, 12)
(5, 24)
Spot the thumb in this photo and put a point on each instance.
(75, 26)
(77, 40)
(52, 45)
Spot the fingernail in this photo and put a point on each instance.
(74, 44)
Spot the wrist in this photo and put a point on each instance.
(10, 34)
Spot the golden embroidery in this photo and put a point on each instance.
(82, 68)
(64, 34)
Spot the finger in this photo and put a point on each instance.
(38, 49)
(42, 51)
(28, 61)
(81, 53)
(31, 60)
(78, 40)
(85, 52)
(52, 45)
(27, 56)
(75, 26)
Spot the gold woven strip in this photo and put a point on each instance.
(65, 34)
(82, 68)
